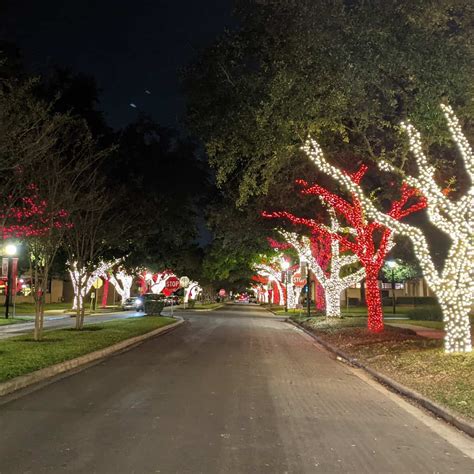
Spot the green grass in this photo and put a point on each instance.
(208, 306)
(29, 308)
(5, 322)
(22, 355)
(59, 309)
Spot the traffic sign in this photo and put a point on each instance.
(298, 280)
(222, 292)
(184, 282)
(172, 283)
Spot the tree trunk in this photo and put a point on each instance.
(374, 302)
(456, 307)
(333, 301)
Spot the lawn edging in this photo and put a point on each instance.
(41, 375)
(441, 412)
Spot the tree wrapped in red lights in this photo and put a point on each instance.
(368, 240)
(321, 251)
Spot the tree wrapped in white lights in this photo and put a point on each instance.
(454, 284)
(331, 280)
(82, 281)
(192, 291)
(273, 275)
(122, 282)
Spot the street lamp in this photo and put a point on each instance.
(10, 250)
(285, 264)
(392, 265)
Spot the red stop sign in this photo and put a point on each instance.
(298, 280)
(172, 284)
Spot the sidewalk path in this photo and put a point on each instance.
(430, 333)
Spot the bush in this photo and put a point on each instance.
(425, 313)
(154, 308)
(191, 304)
(412, 300)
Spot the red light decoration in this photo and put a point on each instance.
(370, 241)
(29, 216)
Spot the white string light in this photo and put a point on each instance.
(454, 285)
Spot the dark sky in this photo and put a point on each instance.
(127, 45)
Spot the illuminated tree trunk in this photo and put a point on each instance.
(374, 302)
(333, 301)
(105, 293)
(454, 284)
(456, 321)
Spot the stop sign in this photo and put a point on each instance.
(298, 280)
(172, 284)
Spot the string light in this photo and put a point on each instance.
(454, 284)
(122, 282)
(360, 238)
(84, 280)
(331, 281)
(192, 291)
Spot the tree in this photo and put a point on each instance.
(368, 240)
(348, 71)
(453, 283)
(330, 278)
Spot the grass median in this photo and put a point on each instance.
(7, 322)
(414, 361)
(22, 355)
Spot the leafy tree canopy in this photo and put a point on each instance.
(347, 71)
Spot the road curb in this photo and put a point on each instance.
(441, 412)
(41, 375)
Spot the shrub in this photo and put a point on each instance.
(191, 304)
(426, 313)
(154, 308)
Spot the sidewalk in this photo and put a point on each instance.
(422, 331)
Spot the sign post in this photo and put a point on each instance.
(171, 285)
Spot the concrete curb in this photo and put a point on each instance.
(41, 375)
(439, 411)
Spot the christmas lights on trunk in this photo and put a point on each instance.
(454, 284)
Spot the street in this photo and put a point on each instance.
(236, 390)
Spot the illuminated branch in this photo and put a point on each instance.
(454, 284)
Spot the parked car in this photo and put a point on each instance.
(134, 302)
(172, 300)
(252, 299)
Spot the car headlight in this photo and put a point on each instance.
(138, 302)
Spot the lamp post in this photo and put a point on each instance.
(285, 264)
(392, 264)
(10, 250)
(304, 270)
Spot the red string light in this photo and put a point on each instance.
(370, 241)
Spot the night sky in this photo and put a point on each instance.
(129, 46)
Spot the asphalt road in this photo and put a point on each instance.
(232, 391)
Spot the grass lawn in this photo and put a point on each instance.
(21, 355)
(414, 361)
(5, 322)
(59, 309)
(208, 306)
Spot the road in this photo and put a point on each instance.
(232, 391)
